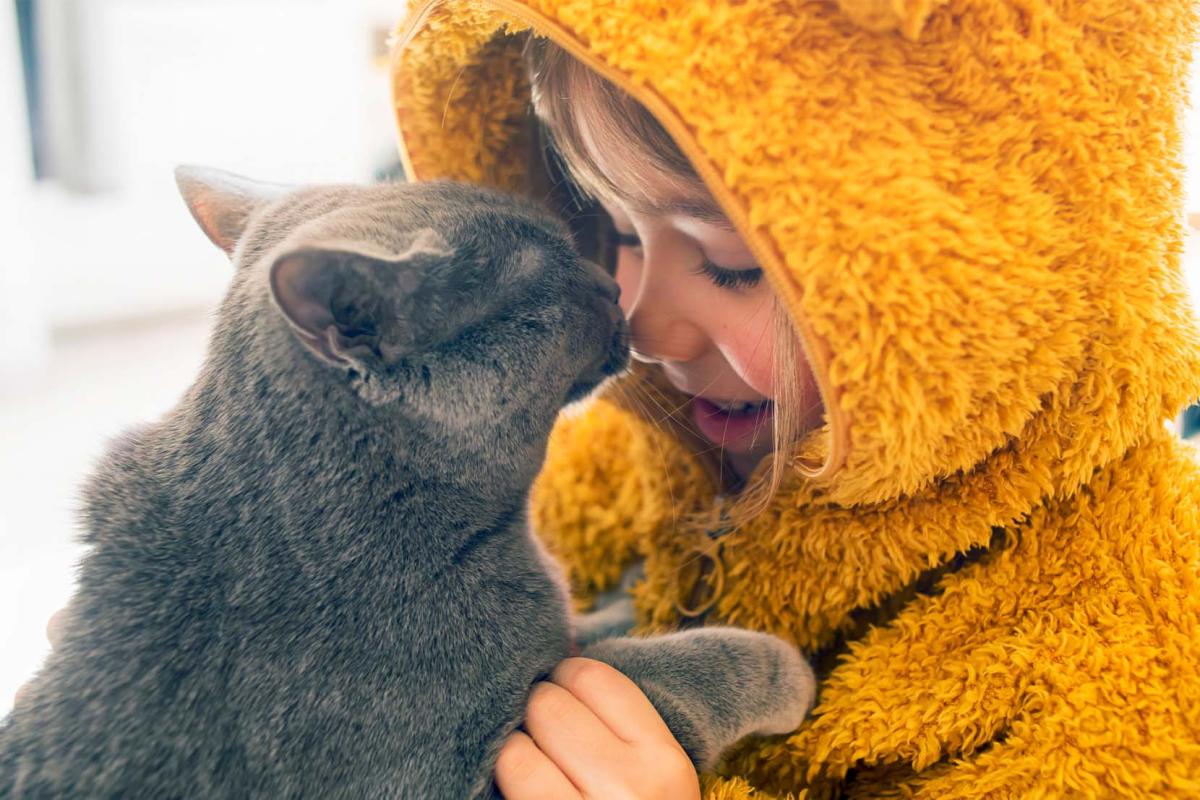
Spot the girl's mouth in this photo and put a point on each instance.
(734, 425)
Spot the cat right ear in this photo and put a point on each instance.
(222, 202)
(349, 303)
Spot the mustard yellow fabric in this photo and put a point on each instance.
(972, 211)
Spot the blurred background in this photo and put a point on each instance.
(106, 283)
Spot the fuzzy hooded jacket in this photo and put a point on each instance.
(971, 209)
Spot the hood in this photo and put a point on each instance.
(971, 208)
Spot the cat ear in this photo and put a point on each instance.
(222, 202)
(346, 303)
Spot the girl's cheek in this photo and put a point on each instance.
(751, 352)
(758, 367)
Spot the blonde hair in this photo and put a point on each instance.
(582, 114)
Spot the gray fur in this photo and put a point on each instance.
(313, 577)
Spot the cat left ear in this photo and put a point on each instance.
(347, 303)
(222, 202)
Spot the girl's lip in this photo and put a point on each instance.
(732, 430)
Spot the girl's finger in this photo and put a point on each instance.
(572, 736)
(523, 772)
(614, 699)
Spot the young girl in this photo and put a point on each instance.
(902, 276)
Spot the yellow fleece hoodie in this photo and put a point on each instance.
(971, 210)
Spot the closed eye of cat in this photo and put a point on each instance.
(533, 325)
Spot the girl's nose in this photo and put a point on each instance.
(664, 337)
(664, 324)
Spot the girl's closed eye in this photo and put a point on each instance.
(623, 239)
(727, 278)
(723, 277)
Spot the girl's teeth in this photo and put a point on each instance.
(738, 407)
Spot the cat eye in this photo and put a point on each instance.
(721, 277)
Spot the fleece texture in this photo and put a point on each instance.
(971, 209)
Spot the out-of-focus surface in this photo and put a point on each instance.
(281, 90)
(106, 284)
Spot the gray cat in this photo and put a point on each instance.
(313, 577)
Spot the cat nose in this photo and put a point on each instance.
(613, 291)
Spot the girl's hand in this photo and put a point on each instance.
(590, 733)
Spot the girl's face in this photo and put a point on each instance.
(699, 306)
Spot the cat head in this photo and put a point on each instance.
(447, 302)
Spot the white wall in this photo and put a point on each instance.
(275, 88)
(23, 324)
(283, 90)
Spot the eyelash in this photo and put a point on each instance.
(720, 276)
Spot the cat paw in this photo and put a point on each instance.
(794, 690)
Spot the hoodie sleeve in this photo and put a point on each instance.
(591, 504)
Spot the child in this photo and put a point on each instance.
(903, 276)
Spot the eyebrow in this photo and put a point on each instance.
(701, 210)
(705, 212)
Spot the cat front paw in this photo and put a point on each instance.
(794, 688)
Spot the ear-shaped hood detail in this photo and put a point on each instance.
(883, 16)
(977, 234)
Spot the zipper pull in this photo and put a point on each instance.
(700, 579)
